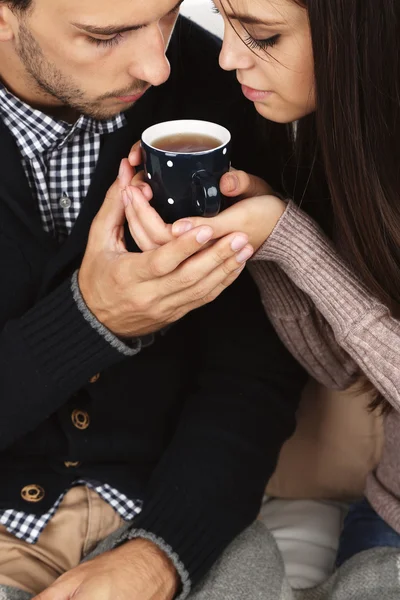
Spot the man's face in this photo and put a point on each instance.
(95, 56)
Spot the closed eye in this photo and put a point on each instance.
(254, 44)
(108, 43)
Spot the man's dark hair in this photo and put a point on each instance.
(19, 4)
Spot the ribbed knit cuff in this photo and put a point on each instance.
(302, 251)
(194, 533)
(186, 586)
(135, 344)
(65, 342)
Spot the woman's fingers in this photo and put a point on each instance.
(135, 227)
(139, 182)
(150, 221)
(229, 220)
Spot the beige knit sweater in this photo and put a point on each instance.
(335, 328)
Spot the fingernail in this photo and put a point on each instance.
(231, 182)
(240, 269)
(125, 198)
(238, 243)
(244, 255)
(181, 227)
(205, 234)
(121, 169)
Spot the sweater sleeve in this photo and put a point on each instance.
(362, 326)
(47, 354)
(238, 410)
(302, 328)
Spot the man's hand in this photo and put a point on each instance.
(137, 570)
(134, 294)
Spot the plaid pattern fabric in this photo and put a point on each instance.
(28, 527)
(58, 158)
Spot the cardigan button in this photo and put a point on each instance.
(32, 493)
(95, 378)
(80, 419)
(72, 465)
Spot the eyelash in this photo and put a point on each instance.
(114, 41)
(254, 44)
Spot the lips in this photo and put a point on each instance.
(255, 95)
(132, 98)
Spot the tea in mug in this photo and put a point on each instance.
(188, 143)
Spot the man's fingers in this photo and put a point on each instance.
(150, 221)
(126, 173)
(204, 293)
(167, 258)
(111, 217)
(240, 184)
(135, 155)
(213, 265)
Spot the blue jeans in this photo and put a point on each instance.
(364, 529)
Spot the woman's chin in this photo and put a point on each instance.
(280, 115)
(268, 112)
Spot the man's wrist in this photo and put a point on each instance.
(161, 569)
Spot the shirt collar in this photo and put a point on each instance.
(36, 132)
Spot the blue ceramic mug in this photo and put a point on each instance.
(184, 162)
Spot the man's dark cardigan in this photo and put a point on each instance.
(193, 424)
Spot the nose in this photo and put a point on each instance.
(235, 55)
(151, 64)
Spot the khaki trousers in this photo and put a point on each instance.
(82, 520)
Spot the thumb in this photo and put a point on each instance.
(107, 227)
(135, 155)
(240, 184)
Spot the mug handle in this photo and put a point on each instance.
(205, 194)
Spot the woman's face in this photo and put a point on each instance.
(268, 43)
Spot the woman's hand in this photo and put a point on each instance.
(255, 217)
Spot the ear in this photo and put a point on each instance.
(8, 23)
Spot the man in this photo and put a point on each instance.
(115, 408)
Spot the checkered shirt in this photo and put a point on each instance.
(59, 160)
(28, 527)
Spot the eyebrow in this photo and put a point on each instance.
(250, 20)
(114, 29)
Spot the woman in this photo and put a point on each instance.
(326, 75)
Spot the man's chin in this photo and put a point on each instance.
(102, 113)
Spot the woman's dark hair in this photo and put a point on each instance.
(357, 74)
(352, 141)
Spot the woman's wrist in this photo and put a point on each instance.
(276, 209)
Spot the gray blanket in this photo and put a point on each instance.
(252, 569)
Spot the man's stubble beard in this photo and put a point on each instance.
(46, 77)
